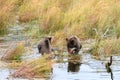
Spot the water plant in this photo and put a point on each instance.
(14, 52)
(41, 67)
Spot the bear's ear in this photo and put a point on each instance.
(67, 39)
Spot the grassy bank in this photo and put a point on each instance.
(61, 19)
(80, 17)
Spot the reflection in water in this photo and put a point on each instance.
(74, 63)
(73, 67)
(109, 70)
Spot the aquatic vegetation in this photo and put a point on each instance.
(14, 52)
(41, 67)
(15, 64)
(111, 46)
(74, 58)
(106, 47)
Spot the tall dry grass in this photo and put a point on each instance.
(14, 52)
(85, 16)
(41, 67)
(63, 18)
(106, 48)
(7, 14)
(90, 19)
(78, 17)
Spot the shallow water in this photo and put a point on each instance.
(87, 71)
(90, 69)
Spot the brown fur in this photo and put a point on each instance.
(73, 42)
(44, 45)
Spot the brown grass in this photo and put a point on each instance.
(107, 48)
(36, 68)
(7, 14)
(14, 51)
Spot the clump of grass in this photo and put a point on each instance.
(15, 64)
(111, 46)
(107, 48)
(74, 58)
(36, 68)
(14, 52)
(103, 43)
(19, 50)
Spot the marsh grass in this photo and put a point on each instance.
(74, 58)
(106, 48)
(19, 50)
(111, 46)
(104, 45)
(63, 18)
(15, 64)
(14, 52)
(7, 14)
(41, 67)
(67, 17)
(81, 18)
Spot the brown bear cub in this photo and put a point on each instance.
(73, 45)
(44, 46)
